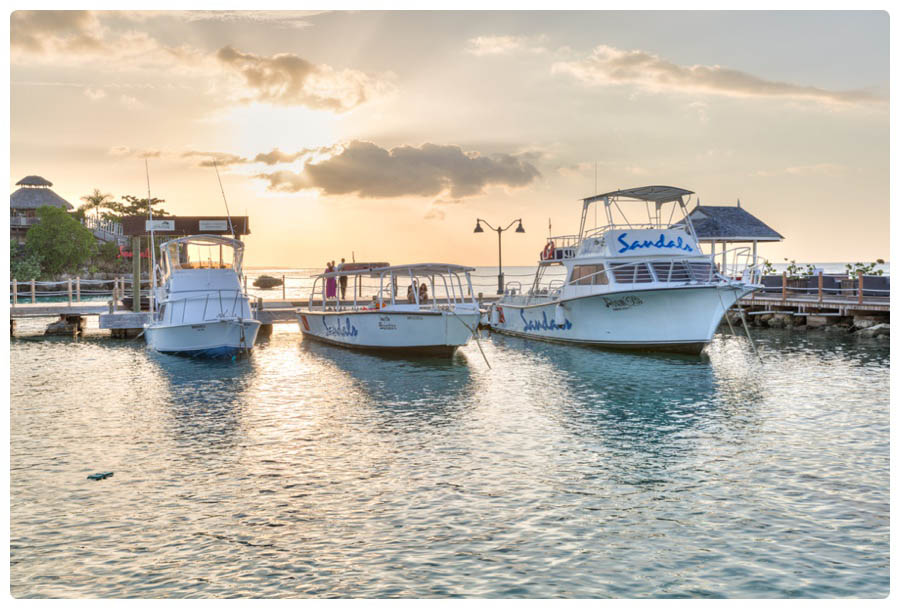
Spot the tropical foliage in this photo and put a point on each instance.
(853, 270)
(22, 265)
(59, 242)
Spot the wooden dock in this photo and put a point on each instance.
(845, 306)
(123, 323)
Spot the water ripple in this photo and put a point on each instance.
(311, 471)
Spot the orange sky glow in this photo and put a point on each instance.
(386, 134)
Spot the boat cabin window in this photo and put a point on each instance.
(634, 272)
(588, 274)
(200, 255)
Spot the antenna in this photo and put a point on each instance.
(152, 246)
(230, 225)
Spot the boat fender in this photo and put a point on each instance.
(495, 316)
(560, 315)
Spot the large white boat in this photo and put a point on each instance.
(414, 308)
(202, 309)
(622, 284)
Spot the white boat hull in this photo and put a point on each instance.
(669, 319)
(221, 338)
(427, 332)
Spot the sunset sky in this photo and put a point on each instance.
(388, 133)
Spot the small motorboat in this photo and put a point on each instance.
(414, 308)
(202, 310)
(267, 282)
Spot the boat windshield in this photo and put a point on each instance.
(201, 253)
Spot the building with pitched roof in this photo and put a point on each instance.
(23, 204)
(726, 225)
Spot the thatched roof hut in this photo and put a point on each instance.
(728, 224)
(34, 181)
(35, 192)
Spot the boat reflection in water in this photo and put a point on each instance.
(207, 398)
(400, 386)
(637, 405)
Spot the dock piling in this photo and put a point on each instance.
(69, 290)
(78, 289)
(33, 293)
(860, 290)
(136, 274)
(15, 293)
(283, 287)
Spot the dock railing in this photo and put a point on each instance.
(821, 287)
(74, 289)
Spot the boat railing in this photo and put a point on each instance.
(512, 288)
(223, 298)
(667, 270)
(563, 240)
(599, 231)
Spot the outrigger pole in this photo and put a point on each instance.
(152, 247)
(228, 213)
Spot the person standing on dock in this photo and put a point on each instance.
(342, 279)
(330, 283)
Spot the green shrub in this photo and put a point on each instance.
(59, 242)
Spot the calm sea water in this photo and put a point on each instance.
(312, 471)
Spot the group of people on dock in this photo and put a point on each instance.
(331, 283)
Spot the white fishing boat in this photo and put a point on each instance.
(201, 308)
(414, 308)
(621, 284)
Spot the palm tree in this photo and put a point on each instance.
(96, 200)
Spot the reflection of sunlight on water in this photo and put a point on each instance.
(310, 470)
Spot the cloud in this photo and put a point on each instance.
(289, 19)
(125, 151)
(289, 80)
(505, 45)
(435, 214)
(131, 102)
(369, 171)
(95, 94)
(819, 169)
(47, 31)
(608, 65)
(222, 159)
(277, 156)
(79, 38)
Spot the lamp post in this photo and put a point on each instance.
(478, 229)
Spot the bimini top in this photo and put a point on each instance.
(657, 194)
(416, 269)
(206, 240)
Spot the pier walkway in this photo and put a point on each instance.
(276, 311)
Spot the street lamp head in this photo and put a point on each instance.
(478, 228)
(519, 228)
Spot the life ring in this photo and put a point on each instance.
(549, 251)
